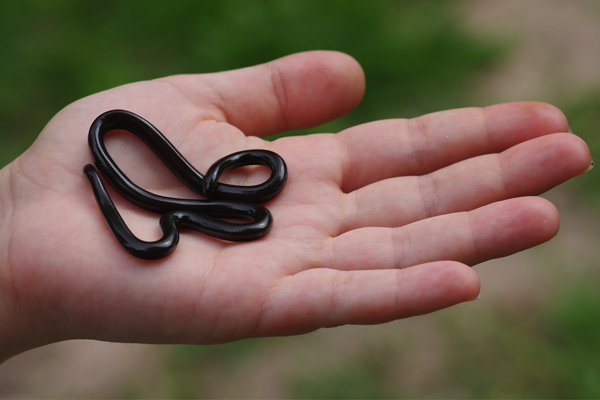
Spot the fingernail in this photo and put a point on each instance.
(591, 167)
(476, 298)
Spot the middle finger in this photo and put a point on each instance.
(529, 168)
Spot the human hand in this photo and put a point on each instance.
(378, 222)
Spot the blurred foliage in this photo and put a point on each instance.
(549, 353)
(553, 352)
(366, 375)
(415, 55)
(533, 352)
(584, 120)
(188, 368)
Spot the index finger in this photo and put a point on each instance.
(418, 146)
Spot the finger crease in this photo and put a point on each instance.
(398, 295)
(264, 308)
(416, 137)
(340, 283)
(347, 167)
(280, 94)
(428, 194)
(488, 136)
(331, 252)
(350, 211)
(399, 239)
(502, 173)
(476, 250)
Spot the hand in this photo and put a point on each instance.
(378, 222)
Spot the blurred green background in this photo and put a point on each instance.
(418, 58)
(54, 52)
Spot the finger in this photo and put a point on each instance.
(418, 146)
(529, 168)
(492, 231)
(293, 92)
(324, 298)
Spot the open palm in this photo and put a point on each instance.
(378, 222)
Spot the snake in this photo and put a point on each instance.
(228, 212)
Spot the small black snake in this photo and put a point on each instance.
(206, 216)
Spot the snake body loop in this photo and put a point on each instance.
(206, 216)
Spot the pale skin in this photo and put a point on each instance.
(379, 222)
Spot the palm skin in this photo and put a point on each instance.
(378, 222)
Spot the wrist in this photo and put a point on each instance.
(17, 329)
